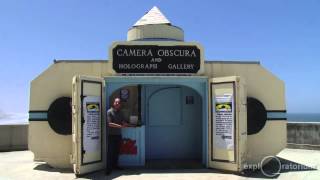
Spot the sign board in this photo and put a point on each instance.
(224, 123)
(91, 126)
(129, 58)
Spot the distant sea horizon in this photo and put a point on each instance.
(291, 117)
(303, 117)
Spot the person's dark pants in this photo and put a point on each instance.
(114, 142)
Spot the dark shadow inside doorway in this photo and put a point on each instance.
(174, 164)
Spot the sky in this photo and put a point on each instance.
(284, 35)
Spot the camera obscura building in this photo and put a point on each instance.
(216, 114)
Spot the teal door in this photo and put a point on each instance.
(173, 128)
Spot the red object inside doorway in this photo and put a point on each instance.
(128, 146)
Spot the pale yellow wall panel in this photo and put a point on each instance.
(53, 83)
(261, 84)
(56, 82)
(269, 141)
(49, 146)
(208, 69)
(155, 31)
(267, 88)
(106, 69)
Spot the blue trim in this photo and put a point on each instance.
(38, 115)
(276, 115)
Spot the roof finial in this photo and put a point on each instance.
(154, 16)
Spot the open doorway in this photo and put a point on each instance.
(168, 130)
(173, 121)
(130, 97)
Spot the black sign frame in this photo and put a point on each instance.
(156, 59)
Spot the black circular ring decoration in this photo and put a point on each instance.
(60, 117)
(256, 115)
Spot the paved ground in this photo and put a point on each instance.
(296, 164)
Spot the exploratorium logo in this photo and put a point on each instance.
(275, 167)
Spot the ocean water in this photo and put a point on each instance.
(303, 117)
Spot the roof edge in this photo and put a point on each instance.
(78, 61)
(233, 62)
(106, 60)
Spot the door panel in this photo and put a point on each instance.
(223, 124)
(173, 126)
(227, 124)
(163, 122)
(167, 100)
(88, 124)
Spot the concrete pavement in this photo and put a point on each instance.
(295, 163)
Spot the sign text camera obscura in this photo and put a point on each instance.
(156, 59)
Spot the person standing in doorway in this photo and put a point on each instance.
(115, 123)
